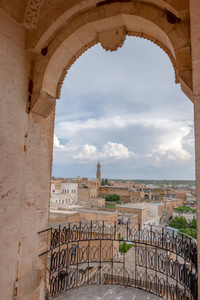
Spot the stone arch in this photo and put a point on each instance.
(109, 27)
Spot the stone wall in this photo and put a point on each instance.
(26, 158)
(57, 217)
(169, 206)
(141, 213)
(181, 195)
(126, 194)
(89, 215)
(87, 194)
(62, 216)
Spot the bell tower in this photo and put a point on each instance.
(99, 171)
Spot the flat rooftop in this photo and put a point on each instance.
(100, 212)
(64, 206)
(133, 205)
(63, 212)
(72, 209)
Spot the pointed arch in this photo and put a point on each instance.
(108, 25)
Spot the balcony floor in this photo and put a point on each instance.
(106, 292)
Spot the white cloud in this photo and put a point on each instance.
(109, 150)
(125, 112)
(69, 129)
(170, 143)
(115, 150)
(87, 152)
(169, 149)
(57, 145)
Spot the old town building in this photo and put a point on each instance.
(67, 193)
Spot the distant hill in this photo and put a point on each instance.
(159, 182)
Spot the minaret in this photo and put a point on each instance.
(99, 171)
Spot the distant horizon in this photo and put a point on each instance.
(122, 179)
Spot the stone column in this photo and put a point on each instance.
(197, 167)
(195, 49)
(26, 146)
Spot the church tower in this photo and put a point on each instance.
(99, 171)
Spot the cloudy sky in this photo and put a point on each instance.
(124, 109)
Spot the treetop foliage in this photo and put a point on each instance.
(184, 226)
(112, 197)
(185, 208)
(188, 231)
(177, 222)
(104, 181)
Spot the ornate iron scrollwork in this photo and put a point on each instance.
(88, 253)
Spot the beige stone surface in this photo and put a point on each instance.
(195, 47)
(93, 25)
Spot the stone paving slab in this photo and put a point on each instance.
(106, 292)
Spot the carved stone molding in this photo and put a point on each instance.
(114, 48)
(113, 39)
(32, 13)
(43, 103)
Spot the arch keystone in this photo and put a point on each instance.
(113, 39)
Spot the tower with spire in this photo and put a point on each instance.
(99, 171)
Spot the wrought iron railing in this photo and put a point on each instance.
(160, 260)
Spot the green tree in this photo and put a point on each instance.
(193, 223)
(112, 197)
(178, 223)
(106, 181)
(185, 208)
(188, 231)
(103, 181)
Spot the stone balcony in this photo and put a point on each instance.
(106, 292)
(94, 253)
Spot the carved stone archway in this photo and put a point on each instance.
(108, 25)
(40, 40)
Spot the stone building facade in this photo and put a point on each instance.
(127, 195)
(146, 213)
(67, 194)
(89, 197)
(58, 216)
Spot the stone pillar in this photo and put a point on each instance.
(197, 164)
(26, 144)
(35, 208)
(195, 49)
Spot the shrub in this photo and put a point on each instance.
(188, 231)
(178, 223)
(113, 197)
(124, 247)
